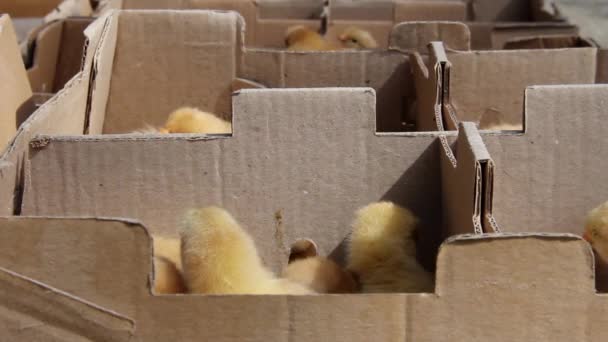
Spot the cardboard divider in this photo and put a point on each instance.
(473, 78)
(491, 269)
(15, 88)
(468, 164)
(31, 310)
(101, 261)
(56, 52)
(428, 75)
(548, 42)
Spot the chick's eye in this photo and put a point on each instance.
(594, 233)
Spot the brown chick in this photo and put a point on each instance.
(356, 38)
(596, 231)
(321, 275)
(302, 38)
(167, 278)
(382, 250)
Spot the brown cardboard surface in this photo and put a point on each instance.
(547, 179)
(491, 269)
(490, 35)
(28, 8)
(417, 35)
(45, 54)
(467, 164)
(548, 42)
(488, 85)
(397, 11)
(428, 75)
(153, 92)
(240, 172)
(62, 114)
(514, 10)
(14, 88)
(33, 311)
(602, 66)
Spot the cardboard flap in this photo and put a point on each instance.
(548, 179)
(463, 175)
(197, 67)
(491, 84)
(33, 311)
(500, 265)
(45, 58)
(418, 35)
(101, 261)
(14, 85)
(429, 80)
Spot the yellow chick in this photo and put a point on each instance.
(192, 120)
(356, 38)
(596, 231)
(167, 278)
(302, 38)
(382, 251)
(168, 248)
(301, 249)
(219, 257)
(501, 127)
(321, 275)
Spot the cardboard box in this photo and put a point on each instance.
(55, 53)
(61, 114)
(487, 87)
(312, 155)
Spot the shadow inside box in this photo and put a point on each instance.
(418, 189)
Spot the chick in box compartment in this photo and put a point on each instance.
(596, 231)
(190, 120)
(302, 38)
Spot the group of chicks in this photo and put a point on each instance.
(215, 255)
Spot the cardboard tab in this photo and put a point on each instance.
(32, 311)
(429, 81)
(463, 196)
(14, 88)
(499, 265)
(418, 35)
(67, 254)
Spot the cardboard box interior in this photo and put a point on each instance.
(487, 87)
(28, 8)
(55, 53)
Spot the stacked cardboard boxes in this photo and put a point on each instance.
(315, 136)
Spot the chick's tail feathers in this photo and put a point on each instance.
(382, 250)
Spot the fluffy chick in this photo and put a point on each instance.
(302, 38)
(356, 38)
(321, 275)
(382, 251)
(168, 248)
(501, 127)
(192, 120)
(167, 278)
(219, 257)
(596, 231)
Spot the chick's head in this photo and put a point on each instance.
(356, 38)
